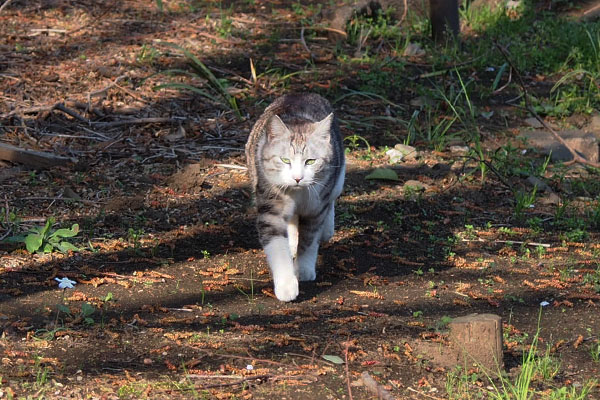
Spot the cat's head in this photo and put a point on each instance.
(294, 153)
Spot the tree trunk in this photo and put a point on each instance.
(444, 19)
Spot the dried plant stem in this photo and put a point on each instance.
(6, 3)
(347, 370)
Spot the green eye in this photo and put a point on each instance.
(310, 161)
(285, 160)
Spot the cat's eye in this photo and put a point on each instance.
(310, 161)
(285, 160)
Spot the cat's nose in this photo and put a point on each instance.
(297, 180)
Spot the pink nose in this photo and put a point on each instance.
(297, 180)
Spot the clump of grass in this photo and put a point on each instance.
(218, 86)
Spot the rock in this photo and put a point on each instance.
(459, 149)
(550, 199)
(413, 50)
(421, 101)
(395, 156)
(585, 144)
(409, 152)
(541, 185)
(533, 122)
(415, 185)
(477, 340)
(593, 126)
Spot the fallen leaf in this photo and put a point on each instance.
(385, 174)
(333, 359)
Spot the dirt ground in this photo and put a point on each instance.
(167, 226)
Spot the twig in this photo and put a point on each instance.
(375, 387)
(6, 3)
(134, 121)
(347, 370)
(403, 13)
(205, 376)
(72, 113)
(526, 243)
(37, 32)
(310, 53)
(232, 166)
(576, 157)
(103, 90)
(424, 394)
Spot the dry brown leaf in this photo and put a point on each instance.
(370, 295)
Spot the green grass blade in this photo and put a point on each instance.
(187, 87)
(199, 67)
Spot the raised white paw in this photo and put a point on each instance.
(287, 289)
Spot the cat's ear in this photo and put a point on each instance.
(322, 129)
(276, 128)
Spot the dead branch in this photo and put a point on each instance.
(375, 387)
(134, 121)
(347, 370)
(6, 3)
(36, 159)
(576, 157)
(424, 394)
(310, 53)
(72, 113)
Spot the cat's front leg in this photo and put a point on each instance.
(280, 262)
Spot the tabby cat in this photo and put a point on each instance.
(296, 163)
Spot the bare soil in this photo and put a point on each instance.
(167, 226)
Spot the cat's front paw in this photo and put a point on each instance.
(287, 289)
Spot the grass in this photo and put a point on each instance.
(534, 369)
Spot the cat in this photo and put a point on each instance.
(296, 163)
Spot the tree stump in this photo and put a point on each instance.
(477, 340)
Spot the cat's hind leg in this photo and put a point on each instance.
(308, 247)
(328, 225)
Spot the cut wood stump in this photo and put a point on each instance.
(477, 341)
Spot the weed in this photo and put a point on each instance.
(354, 143)
(147, 55)
(547, 366)
(200, 69)
(460, 384)
(41, 373)
(523, 201)
(594, 351)
(43, 239)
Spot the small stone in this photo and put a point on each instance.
(395, 156)
(416, 185)
(593, 125)
(148, 361)
(459, 149)
(421, 101)
(585, 144)
(533, 122)
(409, 152)
(413, 50)
(550, 199)
(540, 184)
